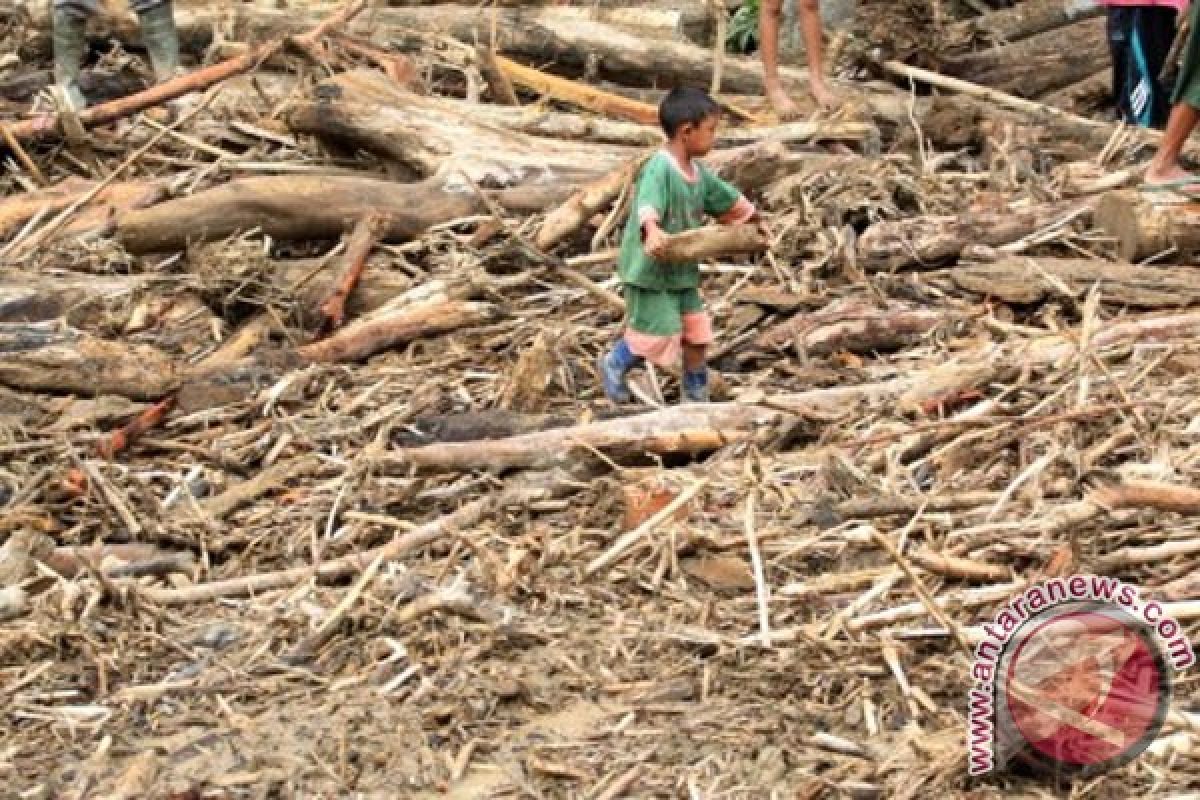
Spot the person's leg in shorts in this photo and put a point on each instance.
(1165, 170)
(1139, 40)
(653, 332)
(696, 336)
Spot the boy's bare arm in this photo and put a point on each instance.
(654, 239)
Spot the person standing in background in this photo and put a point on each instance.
(1140, 35)
(769, 15)
(157, 21)
(1165, 173)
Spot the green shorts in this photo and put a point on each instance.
(660, 322)
(1187, 87)
(659, 312)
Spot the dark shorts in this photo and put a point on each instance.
(1139, 39)
(1187, 88)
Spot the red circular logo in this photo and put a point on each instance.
(1085, 688)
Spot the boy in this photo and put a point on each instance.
(663, 310)
(769, 15)
(1140, 34)
(157, 20)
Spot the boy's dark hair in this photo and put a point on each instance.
(683, 105)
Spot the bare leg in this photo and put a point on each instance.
(769, 14)
(810, 24)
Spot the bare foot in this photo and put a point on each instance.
(783, 104)
(825, 98)
(1174, 174)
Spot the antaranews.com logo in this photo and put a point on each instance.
(1074, 675)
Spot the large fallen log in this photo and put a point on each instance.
(686, 429)
(1021, 21)
(1040, 63)
(1025, 281)
(1145, 228)
(933, 240)
(301, 207)
(79, 299)
(430, 136)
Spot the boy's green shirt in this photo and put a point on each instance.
(681, 206)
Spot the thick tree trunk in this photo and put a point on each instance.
(430, 136)
(1021, 21)
(1040, 63)
(1144, 228)
(688, 429)
(931, 241)
(1026, 281)
(312, 208)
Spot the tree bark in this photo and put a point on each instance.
(1144, 228)
(1040, 63)
(932, 240)
(1021, 21)
(1026, 281)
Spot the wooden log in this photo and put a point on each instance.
(588, 98)
(932, 240)
(1145, 228)
(685, 429)
(358, 246)
(39, 358)
(1085, 96)
(1021, 21)
(82, 300)
(1026, 281)
(853, 326)
(302, 207)
(565, 220)
(1040, 63)
(714, 241)
(19, 209)
(429, 136)
(388, 328)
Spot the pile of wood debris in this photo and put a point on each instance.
(307, 486)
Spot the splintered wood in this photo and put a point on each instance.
(308, 487)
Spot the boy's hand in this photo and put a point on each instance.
(656, 240)
(760, 222)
